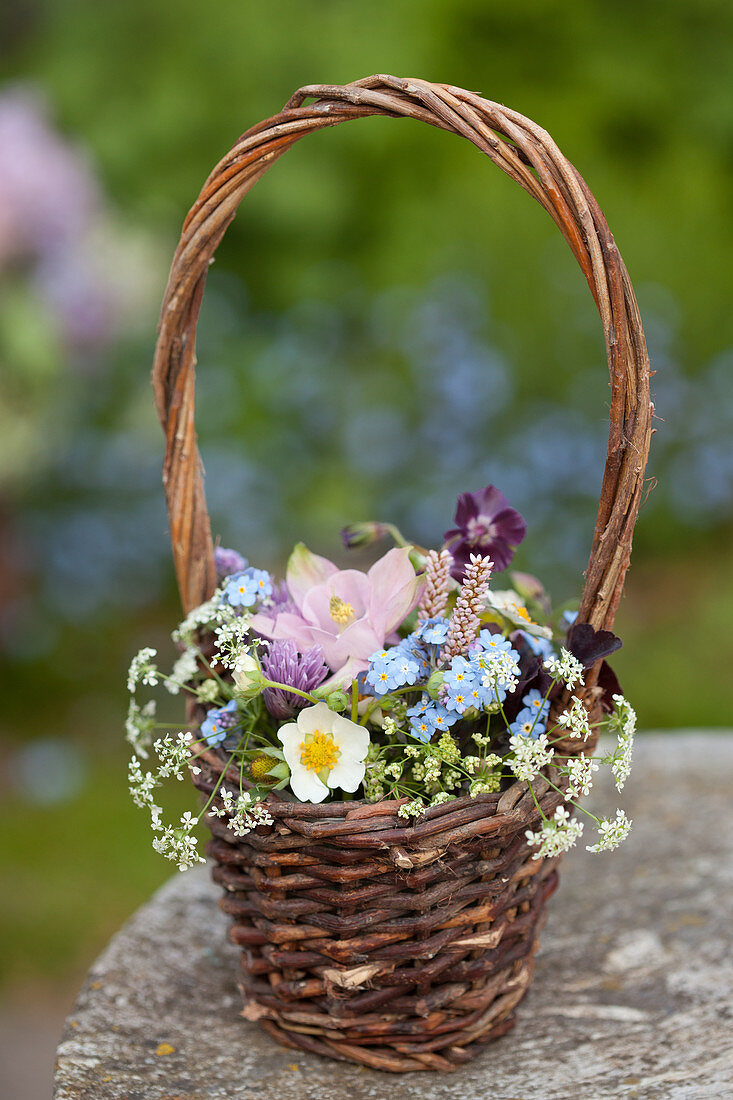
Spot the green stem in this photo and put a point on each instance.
(501, 709)
(567, 734)
(571, 801)
(226, 688)
(397, 536)
(354, 701)
(290, 688)
(534, 799)
(217, 785)
(169, 680)
(415, 688)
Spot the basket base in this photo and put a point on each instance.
(400, 948)
(437, 1050)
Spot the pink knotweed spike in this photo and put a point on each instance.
(464, 621)
(437, 585)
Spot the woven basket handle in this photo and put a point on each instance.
(529, 156)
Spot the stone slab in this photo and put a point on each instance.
(633, 994)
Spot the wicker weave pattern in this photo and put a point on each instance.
(402, 947)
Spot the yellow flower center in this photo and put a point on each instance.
(318, 752)
(522, 613)
(339, 610)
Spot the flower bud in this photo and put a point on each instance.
(388, 702)
(337, 700)
(207, 691)
(528, 587)
(248, 678)
(363, 534)
(434, 684)
(261, 766)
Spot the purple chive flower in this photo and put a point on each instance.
(282, 662)
(486, 525)
(228, 562)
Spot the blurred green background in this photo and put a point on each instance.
(390, 321)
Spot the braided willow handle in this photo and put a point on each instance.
(529, 156)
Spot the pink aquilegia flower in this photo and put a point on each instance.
(349, 614)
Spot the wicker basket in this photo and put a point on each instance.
(399, 947)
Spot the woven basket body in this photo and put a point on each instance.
(399, 946)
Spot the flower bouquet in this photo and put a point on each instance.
(391, 762)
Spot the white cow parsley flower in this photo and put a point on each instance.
(232, 635)
(174, 755)
(411, 809)
(555, 835)
(621, 763)
(499, 669)
(244, 814)
(183, 670)
(139, 726)
(624, 717)
(208, 691)
(565, 668)
(612, 832)
(143, 669)
(575, 718)
(177, 844)
(141, 786)
(529, 756)
(623, 722)
(202, 616)
(580, 772)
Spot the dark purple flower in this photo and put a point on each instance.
(486, 525)
(228, 562)
(282, 662)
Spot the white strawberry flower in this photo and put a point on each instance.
(324, 751)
